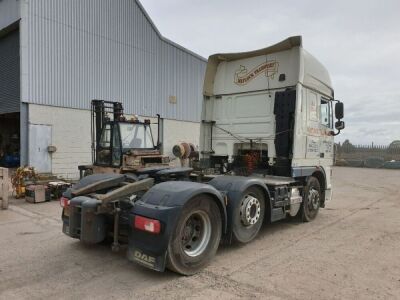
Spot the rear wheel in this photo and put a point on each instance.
(248, 216)
(311, 200)
(196, 237)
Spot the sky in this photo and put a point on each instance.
(358, 42)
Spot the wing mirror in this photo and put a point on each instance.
(339, 125)
(339, 114)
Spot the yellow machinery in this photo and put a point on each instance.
(19, 179)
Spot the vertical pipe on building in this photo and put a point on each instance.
(24, 133)
(25, 88)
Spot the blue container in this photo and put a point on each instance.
(11, 161)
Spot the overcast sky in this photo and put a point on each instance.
(358, 42)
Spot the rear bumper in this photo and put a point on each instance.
(146, 249)
(65, 228)
(65, 221)
(81, 220)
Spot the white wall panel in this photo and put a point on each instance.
(70, 134)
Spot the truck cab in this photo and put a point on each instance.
(269, 112)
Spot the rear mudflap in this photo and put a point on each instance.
(147, 249)
(147, 260)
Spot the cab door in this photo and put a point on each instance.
(313, 128)
(326, 127)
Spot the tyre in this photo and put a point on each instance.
(196, 237)
(248, 215)
(311, 200)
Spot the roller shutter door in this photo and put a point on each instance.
(9, 73)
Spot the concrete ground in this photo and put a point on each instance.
(351, 251)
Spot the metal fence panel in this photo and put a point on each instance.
(368, 155)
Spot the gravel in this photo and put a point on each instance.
(351, 251)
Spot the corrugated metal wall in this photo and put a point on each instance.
(106, 49)
(9, 73)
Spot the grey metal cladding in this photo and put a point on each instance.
(9, 73)
(9, 12)
(108, 49)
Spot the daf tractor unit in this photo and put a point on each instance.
(269, 118)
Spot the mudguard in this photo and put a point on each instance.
(233, 187)
(164, 202)
(91, 179)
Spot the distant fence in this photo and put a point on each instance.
(370, 156)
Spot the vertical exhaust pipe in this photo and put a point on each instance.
(160, 133)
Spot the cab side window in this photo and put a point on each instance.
(312, 106)
(116, 151)
(326, 113)
(105, 139)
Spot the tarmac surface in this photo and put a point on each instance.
(351, 251)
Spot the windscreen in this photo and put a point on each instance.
(136, 136)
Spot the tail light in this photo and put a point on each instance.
(146, 224)
(64, 202)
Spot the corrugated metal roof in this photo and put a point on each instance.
(9, 73)
(106, 49)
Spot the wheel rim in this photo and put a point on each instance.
(196, 234)
(250, 210)
(313, 199)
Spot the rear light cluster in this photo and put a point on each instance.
(146, 224)
(64, 202)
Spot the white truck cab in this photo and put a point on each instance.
(270, 112)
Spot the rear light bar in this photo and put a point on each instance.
(64, 202)
(146, 224)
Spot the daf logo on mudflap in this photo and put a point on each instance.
(144, 258)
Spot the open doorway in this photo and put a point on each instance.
(10, 140)
(10, 96)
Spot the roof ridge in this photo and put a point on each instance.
(164, 39)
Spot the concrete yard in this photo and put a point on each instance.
(351, 251)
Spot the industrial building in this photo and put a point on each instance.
(55, 56)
